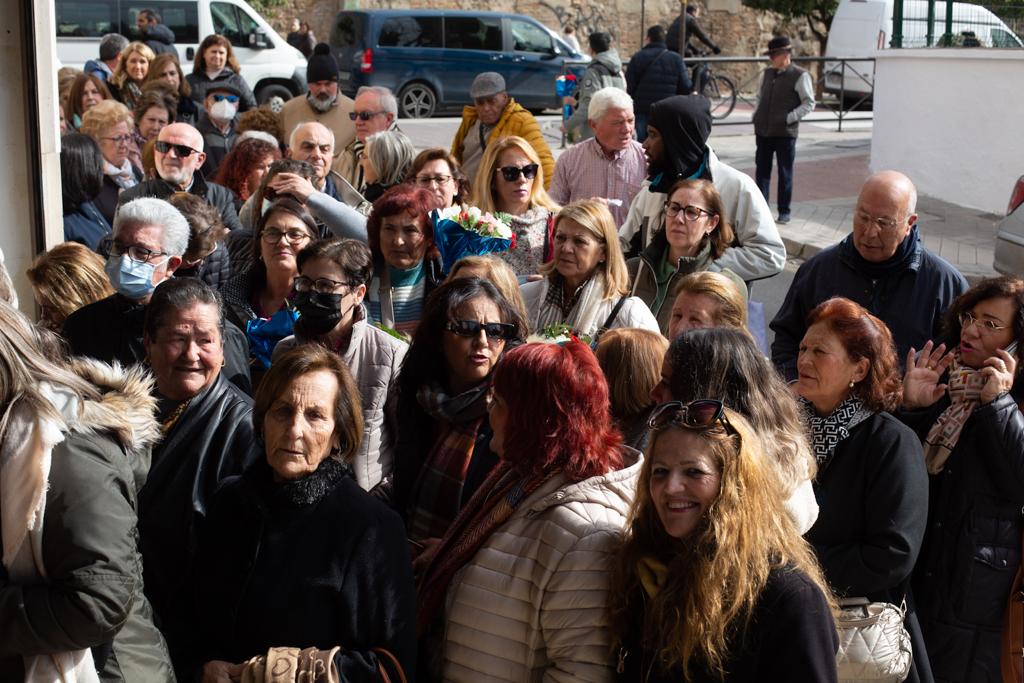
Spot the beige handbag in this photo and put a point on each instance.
(874, 646)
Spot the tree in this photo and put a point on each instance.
(818, 13)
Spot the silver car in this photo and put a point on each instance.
(1010, 235)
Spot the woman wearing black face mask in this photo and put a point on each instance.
(329, 295)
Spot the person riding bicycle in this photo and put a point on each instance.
(693, 30)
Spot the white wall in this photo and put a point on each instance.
(952, 120)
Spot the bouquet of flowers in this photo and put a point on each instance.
(559, 333)
(565, 87)
(467, 231)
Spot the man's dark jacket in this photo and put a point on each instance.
(693, 30)
(218, 196)
(160, 40)
(654, 73)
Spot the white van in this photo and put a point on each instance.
(861, 27)
(269, 64)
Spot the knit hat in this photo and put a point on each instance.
(486, 84)
(322, 65)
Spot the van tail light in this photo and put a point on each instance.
(1016, 197)
(366, 64)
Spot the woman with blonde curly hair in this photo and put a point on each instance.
(126, 83)
(713, 581)
(586, 285)
(110, 124)
(66, 278)
(511, 180)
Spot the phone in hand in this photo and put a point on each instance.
(1012, 349)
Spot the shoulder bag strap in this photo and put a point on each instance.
(611, 317)
(640, 76)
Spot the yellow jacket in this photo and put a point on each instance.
(514, 121)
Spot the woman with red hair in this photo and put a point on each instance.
(244, 166)
(524, 568)
(872, 486)
(400, 234)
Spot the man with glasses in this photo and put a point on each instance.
(376, 110)
(218, 124)
(495, 115)
(178, 155)
(149, 238)
(882, 265)
(323, 103)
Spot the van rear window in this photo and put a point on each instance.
(473, 33)
(411, 32)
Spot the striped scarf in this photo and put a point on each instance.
(407, 289)
(582, 314)
(491, 506)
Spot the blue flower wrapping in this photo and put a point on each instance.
(565, 85)
(264, 334)
(454, 242)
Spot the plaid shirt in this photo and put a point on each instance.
(584, 171)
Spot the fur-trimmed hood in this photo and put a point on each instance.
(127, 407)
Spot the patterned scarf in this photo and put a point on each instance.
(827, 432)
(580, 313)
(437, 495)
(965, 392)
(490, 507)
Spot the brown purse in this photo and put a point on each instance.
(1013, 633)
(290, 664)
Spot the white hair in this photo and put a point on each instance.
(295, 131)
(387, 100)
(608, 98)
(153, 211)
(259, 135)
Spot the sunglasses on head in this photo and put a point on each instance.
(704, 413)
(511, 173)
(230, 98)
(182, 151)
(471, 328)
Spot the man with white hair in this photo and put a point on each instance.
(611, 165)
(376, 110)
(149, 238)
(179, 155)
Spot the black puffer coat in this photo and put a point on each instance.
(972, 548)
(654, 73)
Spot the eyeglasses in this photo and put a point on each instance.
(511, 173)
(182, 151)
(120, 139)
(363, 115)
(428, 180)
(321, 285)
(984, 326)
(690, 213)
(233, 99)
(273, 236)
(704, 413)
(884, 224)
(471, 328)
(135, 252)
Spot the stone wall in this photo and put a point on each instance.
(740, 31)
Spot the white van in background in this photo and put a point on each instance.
(861, 27)
(269, 64)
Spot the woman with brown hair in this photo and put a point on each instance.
(86, 91)
(435, 169)
(126, 83)
(166, 70)
(215, 64)
(66, 278)
(490, 267)
(707, 299)
(631, 360)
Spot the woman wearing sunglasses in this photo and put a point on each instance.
(519, 584)
(871, 486)
(444, 451)
(586, 286)
(329, 292)
(511, 180)
(713, 582)
(965, 406)
(696, 232)
(215, 64)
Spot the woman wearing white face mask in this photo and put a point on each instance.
(218, 123)
(215, 64)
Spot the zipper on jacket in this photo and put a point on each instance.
(621, 668)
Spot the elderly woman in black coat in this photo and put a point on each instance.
(973, 434)
(295, 556)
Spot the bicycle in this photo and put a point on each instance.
(718, 88)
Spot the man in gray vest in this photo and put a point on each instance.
(787, 95)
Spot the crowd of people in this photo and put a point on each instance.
(263, 431)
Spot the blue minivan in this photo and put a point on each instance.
(429, 58)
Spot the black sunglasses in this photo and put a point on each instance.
(511, 173)
(471, 328)
(363, 115)
(183, 151)
(704, 413)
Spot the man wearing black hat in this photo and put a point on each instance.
(323, 103)
(787, 95)
(218, 123)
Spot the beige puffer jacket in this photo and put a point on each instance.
(531, 604)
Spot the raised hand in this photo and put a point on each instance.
(998, 371)
(921, 386)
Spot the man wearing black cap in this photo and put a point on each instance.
(787, 95)
(323, 103)
(492, 116)
(218, 123)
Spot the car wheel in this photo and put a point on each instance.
(264, 94)
(417, 101)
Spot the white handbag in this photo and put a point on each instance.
(874, 646)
